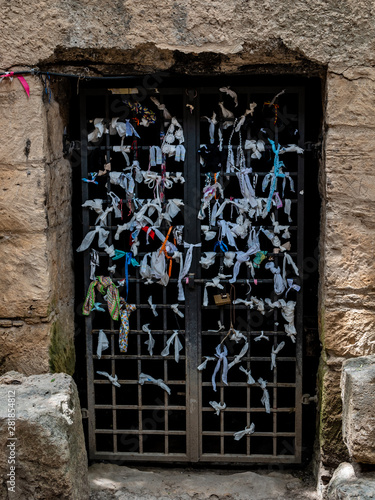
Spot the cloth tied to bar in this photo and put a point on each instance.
(203, 365)
(103, 343)
(266, 397)
(177, 346)
(278, 282)
(250, 379)
(274, 351)
(106, 287)
(222, 358)
(218, 407)
(88, 239)
(185, 267)
(153, 306)
(126, 309)
(238, 357)
(247, 431)
(151, 341)
(113, 380)
(147, 378)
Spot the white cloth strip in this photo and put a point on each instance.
(221, 327)
(147, 378)
(153, 306)
(288, 259)
(250, 379)
(113, 380)
(174, 308)
(208, 259)
(291, 148)
(231, 93)
(222, 358)
(260, 337)
(103, 343)
(247, 431)
(177, 346)
(238, 336)
(218, 407)
(89, 238)
(203, 365)
(292, 286)
(278, 282)
(238, 357)
(185, 267)
(96, 204)
(94, 262)
(274, 351)
(266, 397)
(287, 208)
(151, 341)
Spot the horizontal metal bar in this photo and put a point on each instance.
(136, 431)
(244, 384)
(252, 410)
(139, 407)
(172, 382)
(157, 457)
(255, 434)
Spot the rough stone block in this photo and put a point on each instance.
(348, 331)
(348, 95)
(345, 485)
(23, 199)
(332, 448)
(25, 348)
(23, 123)
(358, 398)
(51, 459)
(24, 269)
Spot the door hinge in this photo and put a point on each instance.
(307, 399)
(85, 413)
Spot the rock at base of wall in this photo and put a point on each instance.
(345, 485)
(50, 456)
(358, 416)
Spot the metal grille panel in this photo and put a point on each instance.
(142, 422)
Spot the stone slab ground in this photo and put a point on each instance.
(113, 482)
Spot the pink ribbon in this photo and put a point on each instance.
(24, 83)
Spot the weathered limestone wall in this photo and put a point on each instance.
(332, 38)
(36, 298)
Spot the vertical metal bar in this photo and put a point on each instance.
(192, 296)
(166, 374)
(300, 254)
(86, 280)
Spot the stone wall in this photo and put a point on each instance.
(36, 303)
(332, 39)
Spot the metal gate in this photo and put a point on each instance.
(139, 420)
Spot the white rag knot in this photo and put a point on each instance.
(238, 357)
(261, 336)
(288, 259)
(88, 239)
(147, 378)
(174, 308)
(113, 380)
(151, 341)
(266, 397)
(177, 346)
(185, 267)
(218, 407)
(222, 358)
(247, 431)
(250, 379)
(153, 306)
(208, 259)
(278, 282)
(203, 365)
(274, 351)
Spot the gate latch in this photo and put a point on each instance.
(307, 399)
(191, 280)
(84, 413)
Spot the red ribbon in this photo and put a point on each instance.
(24, 83)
